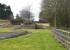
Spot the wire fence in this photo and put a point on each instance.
(63, 37)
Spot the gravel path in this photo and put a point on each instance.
(12, 35)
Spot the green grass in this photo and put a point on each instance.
(41, 39)
(5, 30)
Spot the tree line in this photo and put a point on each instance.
(56, 12)
(25, 15)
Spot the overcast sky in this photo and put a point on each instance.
(17, 5)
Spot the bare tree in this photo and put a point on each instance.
(26, 15)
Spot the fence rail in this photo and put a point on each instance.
(63, 37)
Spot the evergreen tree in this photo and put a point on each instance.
(5, 12)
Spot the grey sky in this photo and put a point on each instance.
(17, 5)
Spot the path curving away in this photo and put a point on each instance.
(12, 34)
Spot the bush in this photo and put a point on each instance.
(16, 22)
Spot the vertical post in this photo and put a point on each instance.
(55, 21)
(55, 18)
